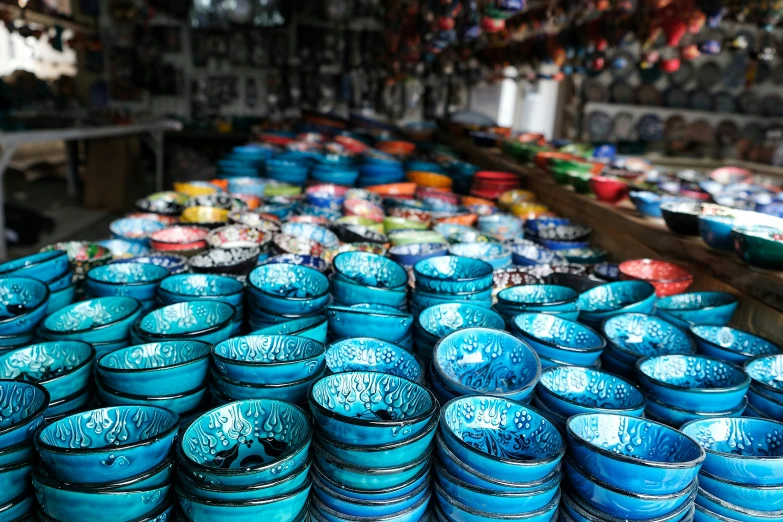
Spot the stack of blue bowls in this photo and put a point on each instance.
(385, 322)
(313, 327)
(204, 320)
(493, 476)
(740, 479)
(24, 404)
(114, 462)
(451, 279)
(51, 268)
(283, 292)
(193, 287)
(619, 468)
(496, 254)
(557, 300)
(137, 280)
(373, 447)
(24, 303)
(697, 308)
(765, 395)
(246, 460)
(366, 278)
(170, 374)
(682, 388)
(602, 302)
(291, 171)
(380, 169)
(328, 169)
(280, 367)
(559, 341)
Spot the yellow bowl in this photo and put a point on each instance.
(201, 188)
(430, 179)
(528, 210)
(513, 197)
(204, 215)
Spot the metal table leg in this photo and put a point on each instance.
(5, 159)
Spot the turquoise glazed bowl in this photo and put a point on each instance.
(389, 323)
(135, 230)
(85, 448)
(766, 374)
(600, 442)
(62, 367)
(208, 321)
(294, 392)
(319, 512)
(190, 287)
(452, 274)
(368, 354)
(348, 294)
(457, 511)
(573, 390)
(632, 336)
(575, 509)
(745, 450)
(501, 423)
(312, 232)
(282, 429)
(23, 304)
(136, 280)
(289, 289)
(42, 267)
(742, 495)
(725, 510)
(25, 403)
(22, 452)
(537, 298)
(369, 408)
(676, 416)
(156, 369)
(294, 259)
(21, 508)
(693, 382)
(423, 476)
(602, 302)
(369, 269)
(729, 344)
(15, 479)
(313, 327)
(697, 308)
(181, 403)
(496, 254)
(436, 322)
(766, 404)
(99, 320)
(268, 359)
(409, 255)
(61, 298)
(559, 339)
(480, 361)
(175, 264)
(123, 249)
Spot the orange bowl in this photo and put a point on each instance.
(462, 219)
(467, 201)
(402, 148)
(528, 210)
(430, 179)
(514, 197)
(541, 159)
(222, 184)
(394, 189)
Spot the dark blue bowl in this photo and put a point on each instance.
(289, 289)
(558, 338)
(452, 274)
(481, 361)
(647, 203)
(62, 367)
(364, 353)
(409, 255)
(631, 336)
(715, 230)
(708, 308)
(528, 255)
(457, 511)
(729, 344)
(388, 323)
(436, 322)
(137, 280)
(573, 390)
(294, 259)
(208, 321)
(609, 272)
(99, 320)
(369, 269)
(602, 302)
(722, 510)
(25, 403)
(23, 304)
(42, 267)
(120, 248)
(190, 287)
(600, 442)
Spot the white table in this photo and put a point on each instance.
(9, 141)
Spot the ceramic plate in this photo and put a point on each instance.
(599, 126)
(701, 131)
(621, 92)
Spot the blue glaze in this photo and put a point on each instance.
(605, 301)
(20, 508)
(156, 369)
(744, 450)
(438, 321)
(647, 203)
(585, 255)
(294, 259)
(313, 232)
(716, 231)
(294, 392)
(693, 382)
(456, 511)
(729, 344)
(137, 280)
(62, 367)
(313, 327)
(173, 263)
(319, 512)
(409, 255)
(562, 246)
(723, 508)
(560, 339)
(658, 460)
(496, 254)
(289, 289)
(766, 373)
(349, 293)
(481, 361)
(103, 348)
(369, 408)
(268, 359)
(421, 302)
(388, 323)
(383, 494)
(697, 308)
(632, 336)
(766, 404)
(135, 230)
(504, 226)
(538, 297)
(573, 506)
(43, 267)
(190, 287)
(479, 295)
(15, 479)
(369, 269)
(364, 353)
(60, 282)
(452, 274)
(675, 416)
(120, 248)
(532, 254)
(742, 495)
(23, 304)
(84, 448)
(60, 299)
(572, 390)
(485, 433)
(69, 404)
(180, 403)
(25, 403)
(208, 321)
(609, 272)
(22, 452)
(102, 319)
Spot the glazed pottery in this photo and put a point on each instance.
(558, 338)
(759, 246)
(682, 217)
(289, 289)
(26, 403)
(82, 255)
(605, 301)
(62, 367)
(367, 354)
(369, 270)
(728, 344)
(667, 278)
(235, 261)
(103, 319)
(23, 304)
(452, 274)
(135, 280)
(208, 321)
(697, 308)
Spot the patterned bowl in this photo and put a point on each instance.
(496, 254)
(320, 235)
(528, 255)
(500, 225)
(227, 390)
(23, 304)
(220, 200)
(289, 289)
(304, 260)
(173, 263)
(209, 217)
(682, 217)
(629, 453)
(237, 261)
(44, 266)
(94, 320)
(313, 327)
(263, 222)
(25, 403)
(368, 354)
(481, 361)
(82, 255)
(136, 280)
(632, 336)
(605, 301)
(164, 203)
(135, 230)
(558, 338)
(237, 236)
(208, 321)
(746, 497)
(121, 249)
(84, 448)
(348, 294)
(684, 310)
(193, 287)
(766, 374)
(574, 508)
(389, 323)
(543, 298)
(727, 344)
(295, 245)
(667, 278)
(675, 416)
(180, 238)
(609, 272)
(438, 321)
(268, 359)
(452, 274)
(185, 404)
(564, 232)
(369, 270)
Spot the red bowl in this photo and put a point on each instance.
(179, 239)
(496, 177)
(609, 190)
(667, 278)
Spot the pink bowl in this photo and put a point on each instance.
(667, 278)
(179, 238)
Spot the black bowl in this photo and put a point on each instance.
(574, 233)
(578, 282)
(236, 261)
(359, 234)
(682, 217)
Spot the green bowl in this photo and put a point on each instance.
(409, 237)
(759, 246)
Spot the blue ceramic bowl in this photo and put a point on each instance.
(368, 354)
(501, 423)
(618, 502)
(600, 442)
(348, 293)
(214, 450)
(647, 203)
(135, 230)
(315, 233)
(421, 302)
(631, 336)
(289, 289)
(423, 476)
(558, 338)
(715, 230)
(60, 282)
(457, 511)
(452, 274)
(62, 367)
(86, 448)
(480, 361)
(605, 301)
(15, 479)
(42, 267)
(693, 382)
(729, 344)
(369, 269)
(537, 298)
(156, 369)
(190, 287)
(675, 416)
(496, 254)
(136, 280)
(409, 255)
(436, 322)
(61, 298)
(766, 404)
(722, 509)
(700, 308)
(388, 323)
(766, 373)
(173, 263)
(743, 449)
(121, 249)
(97, 320)
(609, 272)
(742, 495)
(268, 359)
(294, 392)
(319, 512)
(528, 255)
(503, 226)
(575, 509)
(25, 404)
(21, 508)
(181, 403)
(368, 408)
(293, 259)
(573, 390)
(312, 327)
(23, 304)
(208, 321)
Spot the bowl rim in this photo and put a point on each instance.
(184, 336)
(687, 275)
(172, 415)
(252, 286)
(320, 353)
(137, 308)
(551, 506)
(418, 490)
(479, 269)
(430, 412)
(304, 467)
(712, 514)
(319, 505)
(400, 352)
(100, 487)
(617, 311)
(761, 515)
(365, 313)
(156, 281)
(181, 260)
(66, 373)
(521, 493)
(755, 458)
(101, 367)
(706, 414)
(571, 498)
(628, 383)
(489, 312)
(291, 384)
(428, 429)
(503, 301)
(733, 299)
(423, 472)
(762, 487)
(610, 340)
(247, 253)
(386, 260)
(693, 329)
(764, 386)
(275, 260)
(194, 227)
(708, 391)
(304, 487)
(104, 253)
(47, 256)
(42, 305)
(101, 386)
(319, 450)
(239, 290)
(545, 342)
(572, 436)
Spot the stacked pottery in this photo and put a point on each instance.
(137, 280)
(618, 468)
(557, 300)
(368, 354)
(386, 322)
(204, 320)
(82, 256)
(451, 279)
(236, 262)
(121, 249)
(765, 395)
(24, 404)
(496, 254)
(558, 341)
(365, 278)
(739, 481)
(174, 263)
(562, 237)
(667, 278)
(602, 302)
(169, 374)
(194, 287)
(116, 462)
(373, 447)
(313, 327)
(493, 477)
(503, 226)
(184, 240)
(280, 367)
(23, 305)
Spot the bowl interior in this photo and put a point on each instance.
(739, 437)
(735, 340)
(154, 355)
(128, 273)
(91, 314)
(201, 285)
(313, 232)
(554, 330)
(537, 295)
(443, 319)
(654, 270)
(45, 361)
(289, 281)
(188, 317)
(19, 296)
(268, 349)
(645, 335)
(591, 388)
(370, 270)
(452, 268)
(614, 296)
(692, 372)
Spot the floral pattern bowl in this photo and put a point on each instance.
(135, 230)
(237, 261)
(23, 304)
(289, 289)
(62, 367)
(452, 274)
(94, 321)
(368, 354)
(180, 238)
(667, 278)
(766, 374)
(208, 321)
(137, 280)
(25, 404)
(440, 320)
(731, 345)
(82, 255)
(237, 236)
(45, 266)
(175, 264)
(369, 270)
(605, 301)
(192, 287)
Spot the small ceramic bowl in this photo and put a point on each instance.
(136, 280)
(237, 236)
(503, 226)
(208, 321)
(219, 201)
(164, 203)
(368, 408)
(528, 255)
(715, 226)
(675, 416)
(43, 267)
(728, 344)
(175, 264)
(25, 403)
(292, 259)
(536, 298)
(608, 189)
(742, 495)
(82, 255)
(237, 261)
(682, 217)
(349, 294)
(759, 245)
(209, 217)
(721, 509)
(502, 423)
(148, 436)
(264, 222)
(312, 327)
(753, 463)
(226, 390)
(632, 336)
(312, 232)
(288, 244)
(648, 204)
(563, 232)
(387, 322)
(605, 301)
(289, 289)
(438, 321)
(766, 374)
(368, 354)
(600, 442)
(667, 278)
(134, 229)
(574, 508)
(573, 390)
(496, 254)
(558, 338)
(369, 270)
(481, 361)
(694, 308)
(451, 274)
(94, 320)
(23, 304)
(192, 287)
(62, 367)
(359, 234)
